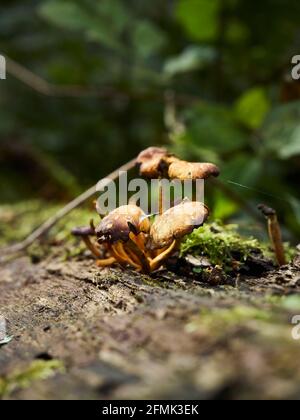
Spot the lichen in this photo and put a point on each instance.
(23, 378)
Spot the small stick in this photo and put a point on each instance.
(274, 233)
(50, 223)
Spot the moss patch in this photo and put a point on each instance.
(221, 319)
(222, 245)
(21, 379)
(19, 220)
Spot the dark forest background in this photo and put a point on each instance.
(90, 83)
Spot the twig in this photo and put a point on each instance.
(42, 86)
(50, 223)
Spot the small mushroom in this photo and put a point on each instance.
(85, 233)
(274, 233)
(168, 229)
(177, 222)
(183, 170)
(154, 162)
(122, 230)
(118, 225)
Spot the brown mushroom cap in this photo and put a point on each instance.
(177, 222)
(120, 223)
(183, 170)
(154, 162)
(150, 153)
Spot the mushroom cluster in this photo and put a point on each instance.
(127, 237)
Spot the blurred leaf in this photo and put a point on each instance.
(192, 58)
(111, 19)
(292, 148)
(185, 146)
(296, 208)
(281, 131)
(243, 169)
(237, 32)
(104, 22)
(115, 13)
(148, 39)
(252, 107)
(213, 127)
(223, 207)
(199, 18)
(66, 14)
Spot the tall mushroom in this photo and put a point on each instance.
(154, 163)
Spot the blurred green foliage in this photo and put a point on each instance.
(226, 63)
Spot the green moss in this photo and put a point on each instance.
(221, 244)
(19, 220)
(224, 318)
(290, 252)
(291, 303)
(21, 379)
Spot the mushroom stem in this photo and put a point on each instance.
(92, 247)
(156, 262)
(134, 258)
(106, 263)
(160, 198)
(140, 241)
(127, 258)
(134, 247)
(118, 256)
(274, 233)
(276, 236)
